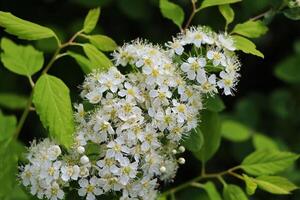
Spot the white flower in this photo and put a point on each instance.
(193, 67)
(226, 83)
(54, 192)
(50, 171)
(127, 171)
(116, 149)
(89, 188)
(107, 166)
(148, 139)
(175, 46)
(70, 172)
(27, 175)
(161, 95)
(53, 152)
(131, 92)
(226, 42)
(94, 96)
(208, 84)
(217, 57)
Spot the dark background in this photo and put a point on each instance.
(262, 101)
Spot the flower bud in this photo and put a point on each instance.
(181, 161)
(80, 149)
(162, 169)
(174, 151)
(84, 160)
(181, 149)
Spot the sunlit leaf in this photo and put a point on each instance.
(91, 20)
(172, 11)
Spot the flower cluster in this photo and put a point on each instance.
(130, 124)
(207, 59)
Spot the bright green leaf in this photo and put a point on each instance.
(12, 101)
(288, 70)
(214, 103)
(212, 191)
(103, 42)
(235, 131)
(91, 20)
(172, 11)
(250, 184)
(246, 46)
(209, 3)
(275, 184)
(251, 29)
(268, 162)
(227, 13)
(211, 129)
(7, 126)
(262, 142)
(52, 102)
(85, 64)
(98, 59)
(234, 192)
(24, 29)
(194, 140)
(23, 60)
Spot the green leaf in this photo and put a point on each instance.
(235, 131)
(227, 13)
(209, 3)
(234, 192)
(103, 42)
(292, 13)
(7, 126)
(98, 59)
(194, 141)
(212, 191)
(24, 29)
(210, 127)
(214, 103)
(275, 184)
(262, 142)
(250, 184)
(246, 46)
(85, 64)
(251, 29)
(268, 162)
(52, 102)
(22, 60)
(288, 70)
(172, 11)
(91, 20)
(12, 101)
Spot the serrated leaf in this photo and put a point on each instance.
(263, 142)
(275, 184)
(84, 63)
(211, 129)
(209, 3)
(97, 58)
(234, 192)
(212, 191)
(251, 29)
(194, 140)
(22, 60)
(12, 101)
(52, 102)
(214, 103)
(246, 46)
(91, 20)
(102, 42)
(227, 12)
(172, 11)
(288, 70)
(235, 131)
(250, 184)
(268, 162)
(24, 29)
(7, 126)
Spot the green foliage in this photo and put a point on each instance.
(24, 29)
(234, 192)
(251, 29)
(275, 184)
(235, 131)
(246, 46)
(209, 3)
(211, 130)
(83, 62)
(194, 141)
(52, 101)
(227, 13)
(263, 142)
(268, 162)
(22, 60)
(7, 126)
(250, 184)
(214, 104)
(102, 42)
(13, 101)
(97, 58)
(288, 70)
(292, 13)
(91, 20)
(212, 191)
(172, 11)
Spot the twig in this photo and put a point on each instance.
(194, 11)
